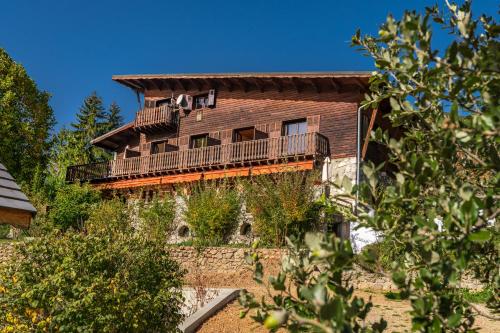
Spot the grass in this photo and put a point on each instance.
(481, 296)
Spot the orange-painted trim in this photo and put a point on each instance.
(207, 175)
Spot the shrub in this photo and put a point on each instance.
(109, 217)
(381, 255)
(282, 205)
(4, 230)
(72, 205)
(157, 217)
(91, 283)
(212, 213)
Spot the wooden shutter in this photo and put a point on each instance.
(211, 97)
(145, 149)
(275, 129)
(313, 124)
(183, 142)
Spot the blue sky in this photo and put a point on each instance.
(71, 48)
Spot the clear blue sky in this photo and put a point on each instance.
(72, 48)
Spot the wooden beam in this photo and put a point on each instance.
(316, 85)
(298, 86)
(278, 84)
(134, 84)
(360, 83)
(227, 84)
(182, 84)
(336, 85)
(197, 84)
(154, 84)
(367, 136)
(258, 84)
(138, 83)
(214, 174)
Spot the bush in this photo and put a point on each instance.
(282, 205)
(72, 205)
(4, 230)
(91, 283)
(381, 255)
(157, 217)
(212, 213)
(111, 217)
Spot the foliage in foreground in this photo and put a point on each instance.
(443, 207)
(311, 293)
(212, 212)
(103, 281)
(282, 205)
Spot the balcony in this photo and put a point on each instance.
(247, 153)
(156, 118)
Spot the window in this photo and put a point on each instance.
(244, 134)
(200, 102)
(158, 147)
(294, 127)
(199, 141)
(165, 101)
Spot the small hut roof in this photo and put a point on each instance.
(11, 195)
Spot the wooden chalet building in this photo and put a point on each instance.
(235, 125)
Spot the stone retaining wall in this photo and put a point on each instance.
(226, 267)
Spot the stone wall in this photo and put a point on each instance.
(226, 267)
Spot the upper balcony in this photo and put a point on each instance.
(307, 146)
(156, 118)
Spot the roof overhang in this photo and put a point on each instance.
(320, 81)
(113, 139)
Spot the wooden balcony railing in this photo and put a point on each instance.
(227, 155)
(159, 117)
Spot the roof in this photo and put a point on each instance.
(247, 81)
(112, 139)
(11, 195)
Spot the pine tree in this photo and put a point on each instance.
(91, 123)
(113, 117)
(91, 119)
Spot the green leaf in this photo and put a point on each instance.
(454, 319)
(480, 236)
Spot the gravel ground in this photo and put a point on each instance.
(394, 312)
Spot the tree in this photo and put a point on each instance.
(113, 117)
(447, 162)
(26, 120)
(443, 206)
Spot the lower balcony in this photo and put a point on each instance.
(247, 153)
